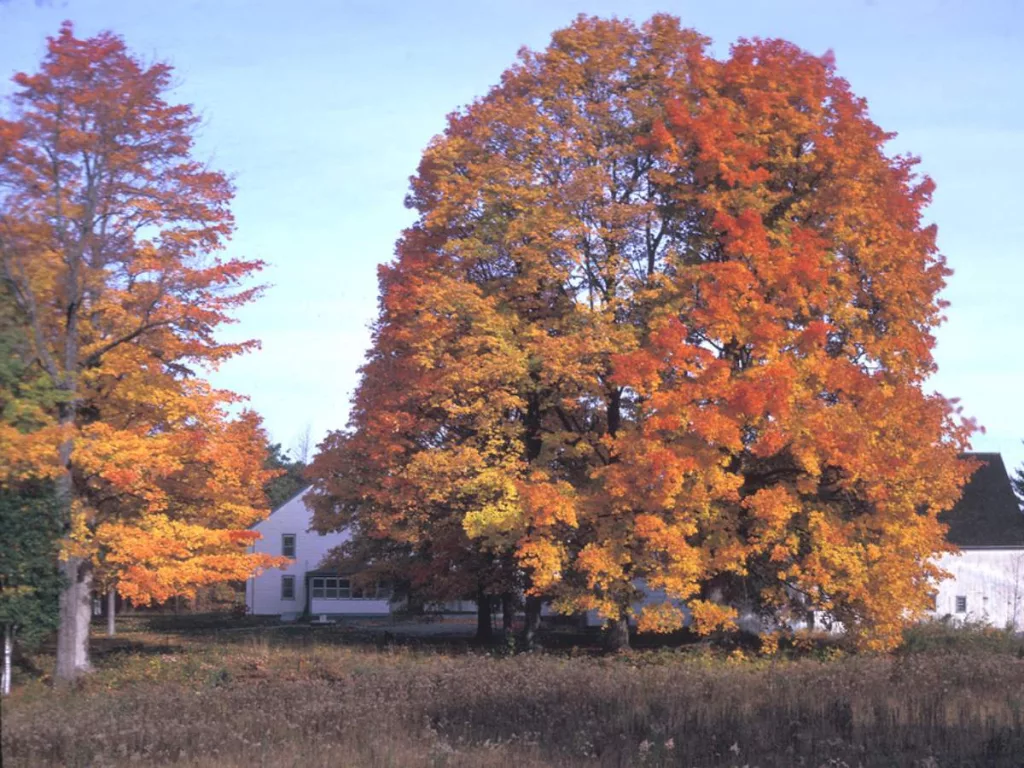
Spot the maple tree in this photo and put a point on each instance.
(428, 441)
(663, 323)
(109, 233)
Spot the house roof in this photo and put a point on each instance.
(988, 514)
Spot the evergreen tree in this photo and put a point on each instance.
(29, 579)
(291, 479)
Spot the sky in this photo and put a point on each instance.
(320, 110)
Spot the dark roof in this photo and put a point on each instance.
(988, 514)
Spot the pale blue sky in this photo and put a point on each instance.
(321, 109)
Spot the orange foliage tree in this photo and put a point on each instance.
(109, 230)
(663, 324)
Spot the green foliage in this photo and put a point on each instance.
(30, 529)
(286, 485)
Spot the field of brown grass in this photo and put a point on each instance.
(271, 697)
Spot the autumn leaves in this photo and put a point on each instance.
(109, 238)
(661, 317)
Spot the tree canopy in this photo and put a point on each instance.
(662, 319)
(110, 239)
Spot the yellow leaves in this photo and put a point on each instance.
(710, 617)
(545, 560)
(29, 454)
(602, 566)
(661, 618)
(495, 510)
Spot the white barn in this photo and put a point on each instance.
(987, 581)
(988, 574)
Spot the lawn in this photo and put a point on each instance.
(334, 696)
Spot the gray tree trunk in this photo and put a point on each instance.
(508, 613)
(617, 638)
(75, 616)
(5, 682)
(76, 592)
(111, 612)
(531, 622)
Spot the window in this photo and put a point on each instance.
(287, 587)
(330, 588)
(288, 545)
(961, 603)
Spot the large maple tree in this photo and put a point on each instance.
(109, 237)
(664, 322)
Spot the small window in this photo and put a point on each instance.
(343, 589)
(961, 603)
(287, 587)
(288, 545)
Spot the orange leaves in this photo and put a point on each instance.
(159, 558)
(547, 502)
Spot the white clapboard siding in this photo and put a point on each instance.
(263, 592)
(990, 583)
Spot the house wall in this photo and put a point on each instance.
(263, 592)
(992, 581)
(349, 607)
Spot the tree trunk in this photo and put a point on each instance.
(111, 612)
(75, 608)
(532, 623)
(484, 632)
(5, 682)
(508, 613)
(617, 638)
(75, 615)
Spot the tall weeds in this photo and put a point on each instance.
(267, 701)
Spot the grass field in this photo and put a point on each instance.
(264, 696)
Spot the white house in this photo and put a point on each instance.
(987, 583)
(302, 588)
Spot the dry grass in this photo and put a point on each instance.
(264, 698)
